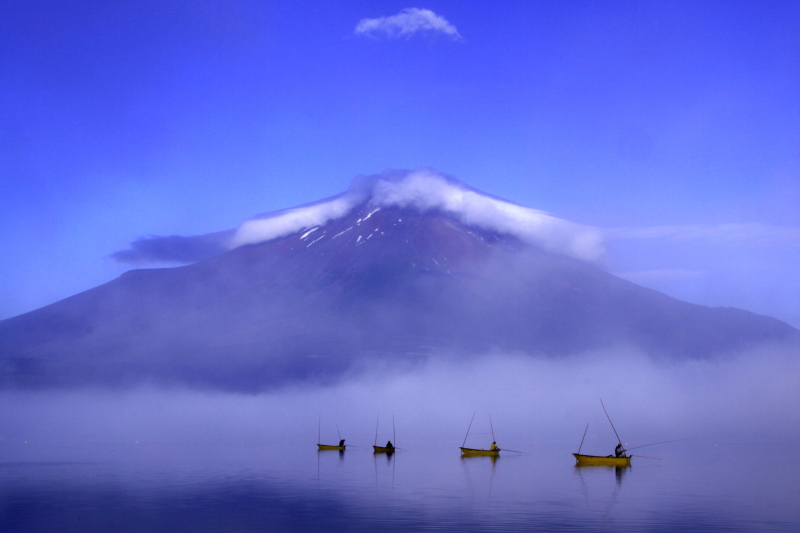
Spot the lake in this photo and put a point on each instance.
(258, 485)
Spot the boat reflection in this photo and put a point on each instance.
(492, 458)
(619, 471)
(389, 456)
(322, 452)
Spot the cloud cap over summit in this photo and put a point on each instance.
(424, 190)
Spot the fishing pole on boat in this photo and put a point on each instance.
(646, 457)
(339, 433)
(468, 428)
(319, 429)
(610, 422)
(515, 451)
(394, 433)
(492, 426)
(377, 418)
(662, 442)
(584, 436)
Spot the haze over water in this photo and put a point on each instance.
(178, 460)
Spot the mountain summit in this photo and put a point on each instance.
(423, 190)
(400, 267)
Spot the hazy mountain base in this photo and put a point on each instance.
(752, 398)
(263, 317)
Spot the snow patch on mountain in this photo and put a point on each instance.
(424, 190)
(288, 221)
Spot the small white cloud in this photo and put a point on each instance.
(408, 22)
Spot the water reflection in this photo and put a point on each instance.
(384, 468)
(478, 458)
(331, 452)
(388, 455)
(619, 471)
(418, 489)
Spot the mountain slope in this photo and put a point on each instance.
(377, 285)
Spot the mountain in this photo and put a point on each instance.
(395, 270)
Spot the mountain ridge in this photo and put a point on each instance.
(387, 283)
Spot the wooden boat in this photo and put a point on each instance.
(603, 460)
(384, 449)
(473, 451)
(492, 452)
(598, 460)
(328, 447)
(331, 447)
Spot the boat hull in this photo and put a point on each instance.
(596, 460)
(328, 447)
(473, 451)
(383, 449)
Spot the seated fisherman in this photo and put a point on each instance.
(389, 444)
(341, 442)
(619, 451)
(493, 446)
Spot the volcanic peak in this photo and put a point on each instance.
(419, 192)
(427, 190)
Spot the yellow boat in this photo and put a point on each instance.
(473, 451)
(384, 449)
(330, 447)
(598, 460)
(338, 447)
(494, 451)
(603, 460)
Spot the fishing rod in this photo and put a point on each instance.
(377, 418)
(394, 433)
(338, 432)
(610, 422)
(584, 436)
(491, 426)
(319, 430)
(515, 451)
(646, 457)
(470, 425)
(662, 442)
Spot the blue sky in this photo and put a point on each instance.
(675, 126)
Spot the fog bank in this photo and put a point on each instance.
(750, 399)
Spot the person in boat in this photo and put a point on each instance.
(493, 447)
(389, 445)
(619, 451)
(341, 442)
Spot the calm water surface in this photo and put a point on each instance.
(250, 486)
